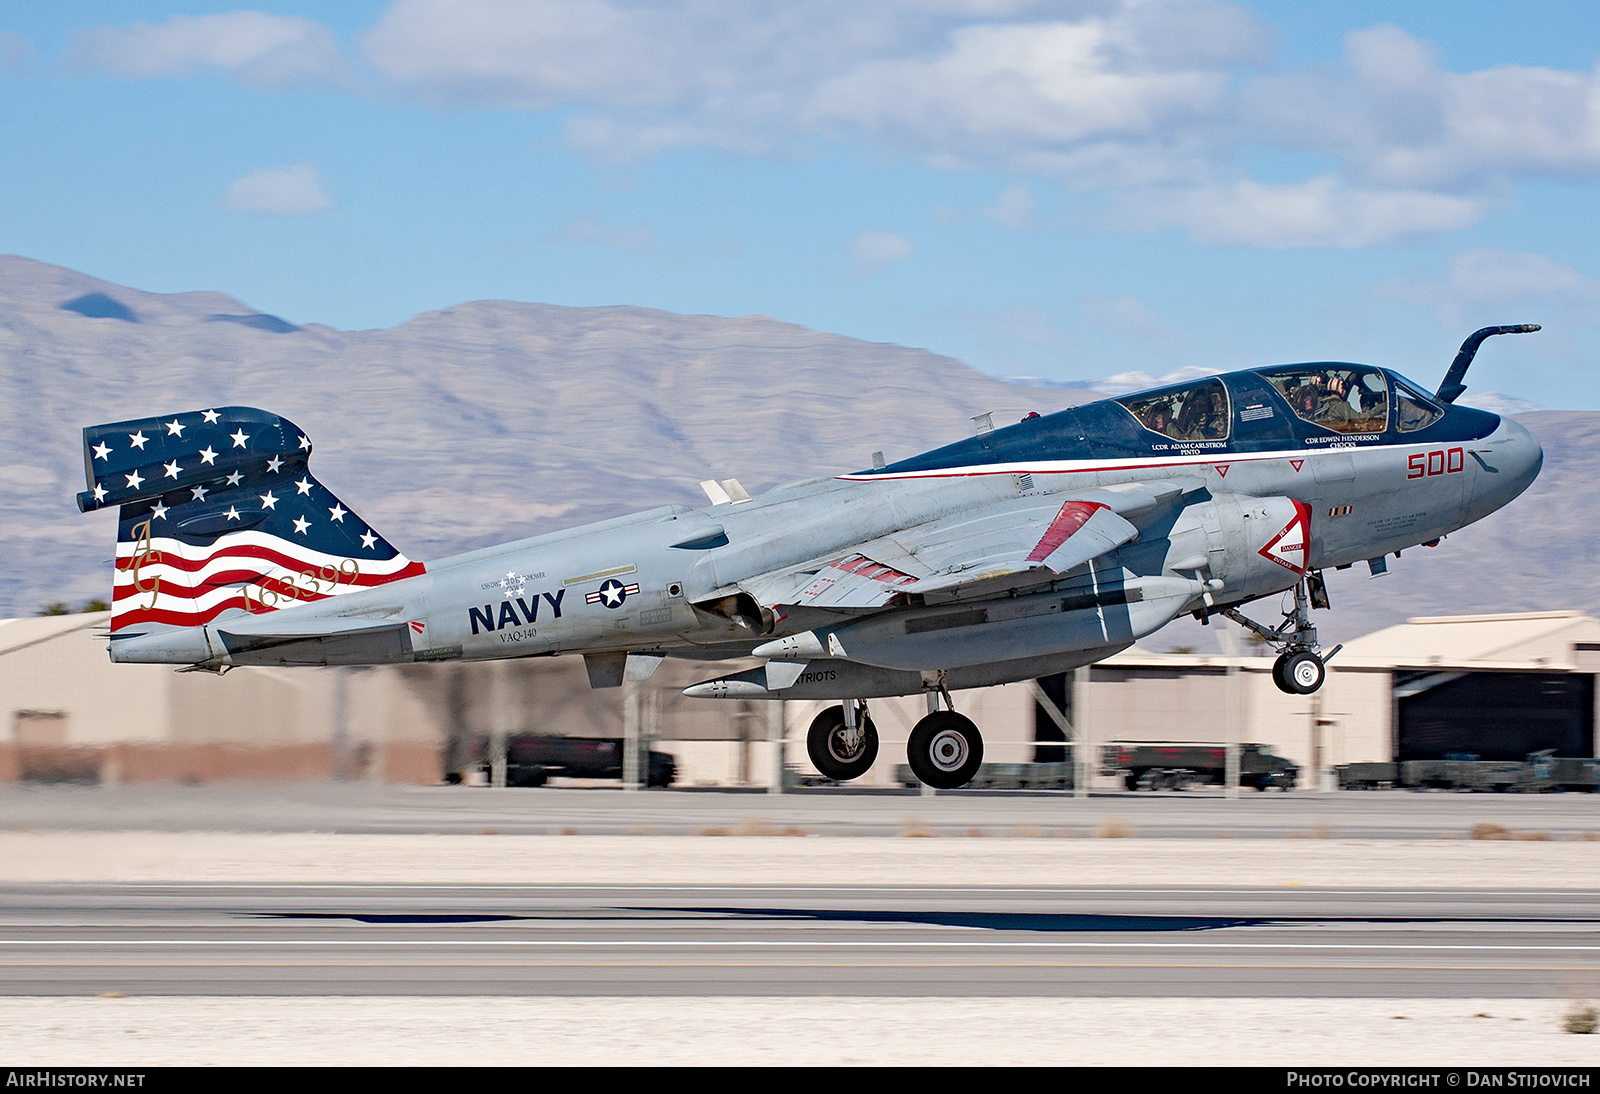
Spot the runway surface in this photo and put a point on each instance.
(357, 808)
(740, 940)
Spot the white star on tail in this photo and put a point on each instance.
(159, 512)
(172, 470)
(210, 416)
(236, 478)
(199, 494)
(233, 513)
(303, 486)
(337, 512)
(102, 451)
(134, 479)
(305, 442)
(273, 465)
(238, 438)
(301, 524)
(138, 439)
(99, 492)
(174, 428)
(207, 455)
(368, 539)
(268, 500)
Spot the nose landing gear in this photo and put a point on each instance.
(1300, 668)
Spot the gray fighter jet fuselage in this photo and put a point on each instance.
(1013, 554)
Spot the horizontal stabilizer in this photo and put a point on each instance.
(276, 628)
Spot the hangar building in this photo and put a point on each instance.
(1496, 686)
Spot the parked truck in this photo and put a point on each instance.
(532, 759)
(1171, 765)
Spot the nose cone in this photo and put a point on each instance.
(1526, 456)
(1516, 458)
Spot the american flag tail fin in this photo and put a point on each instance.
(220, 514)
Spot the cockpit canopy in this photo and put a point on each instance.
(1193, 412)
(1343, 398)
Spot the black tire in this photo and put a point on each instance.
(829, 752)
(1131, 781)
(1303, 672)
(945, 750)
(1279, 678)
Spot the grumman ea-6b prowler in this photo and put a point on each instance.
(1016, 553)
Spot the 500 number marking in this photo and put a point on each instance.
(1441, 461)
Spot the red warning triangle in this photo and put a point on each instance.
(1222, 469)
(1297, 464)
(1289, 547)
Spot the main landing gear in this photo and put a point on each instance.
(1300, 669)
(842, 741)
(944, 750)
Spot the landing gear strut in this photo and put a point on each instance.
(945, 748)
(1300, 668)
(842, 741)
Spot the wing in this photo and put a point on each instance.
(1022, 538)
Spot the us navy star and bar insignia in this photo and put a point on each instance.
(612, 594)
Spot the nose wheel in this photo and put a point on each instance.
(1300, 669)
(1298, 672)
(945, 750)
(842, 742)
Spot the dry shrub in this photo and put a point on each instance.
(914, 828)
(641, 830)
(487, 832)
(1030, 831)
(568, 832)
(974, 833)
(1586, 837)
(1115, 829)
(1500, 831)
(1321, 831)
(1067, 833)
(1582, 1018)
(713, 830)
(750, 826)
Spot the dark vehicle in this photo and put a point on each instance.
(1161, 765)
(531, 760)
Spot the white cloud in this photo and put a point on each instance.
(15, 52)
(256, 48)
(1149, 101)
(292, 190)
(1396, 119)
(1015, 209)
(1127, 317)
(1486, 282)
(874, 250)
(633, 238)
(1323, 212)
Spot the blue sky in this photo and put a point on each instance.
(1064, 190)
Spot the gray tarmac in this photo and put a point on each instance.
(348, 923)
(944, 941)
(605, 809)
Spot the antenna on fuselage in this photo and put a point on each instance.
(1451, 387)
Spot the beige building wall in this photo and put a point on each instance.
(393, 722)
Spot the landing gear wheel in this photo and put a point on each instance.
(1298, 672)
(945, 750)
(835, 752)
